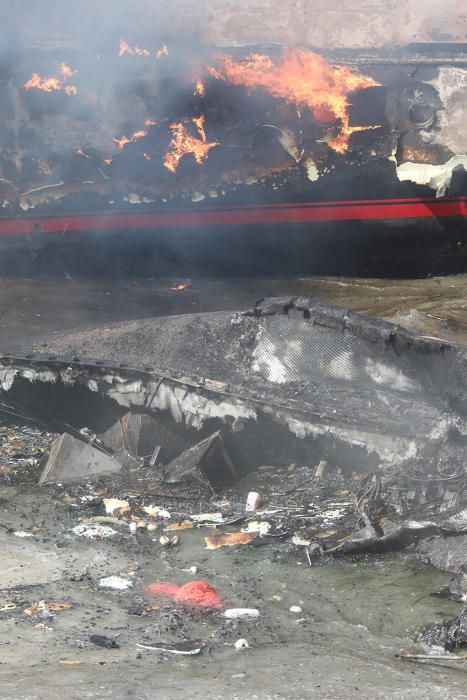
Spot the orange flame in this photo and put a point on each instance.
(132, 50)
(164, 51)
(46, 84)
(150, 122)
(123, 140)
(137, 51)
(199, 123)
(200, 88)
(183, 143)
(66, 71)
(215, 73)
(303, 78)
(50, 84)
(124, 47)
(179, 287)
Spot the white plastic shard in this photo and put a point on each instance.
(113, 504)
(241, 644)
(115, 582)
(94, 531)
(241, 613)
(438, 177)
(207, 517)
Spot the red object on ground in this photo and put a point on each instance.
(197, 593)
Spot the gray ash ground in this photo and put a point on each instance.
(356, 613)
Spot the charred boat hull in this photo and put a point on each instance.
(243, 171)
(380, 238)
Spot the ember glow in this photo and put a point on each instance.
(125, 48)
(215, 73)
(179, 287)
(164, 51)
(183, 143)
(305, 79)
(200, 88)
(52, 84)
(123, 140)
(66, 71)
(46, 84)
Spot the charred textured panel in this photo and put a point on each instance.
(292, 376)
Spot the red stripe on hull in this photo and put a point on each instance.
(363, 210)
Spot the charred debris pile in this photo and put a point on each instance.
(299, 426)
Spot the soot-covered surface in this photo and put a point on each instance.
(291, 374)
(335, 365)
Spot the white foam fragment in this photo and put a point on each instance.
(115, 582)
(295, 609)
(208, 517)
(256, 526)
(94, 532)
(241, 613)
(241, 644)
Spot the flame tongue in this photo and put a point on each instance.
(50, 84)
(182, 143)
(66, 71)
(303, 78)
(137, 51)
(200, 88)
(46, 84)
(123, 140)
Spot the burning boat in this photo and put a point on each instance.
(333, 160)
